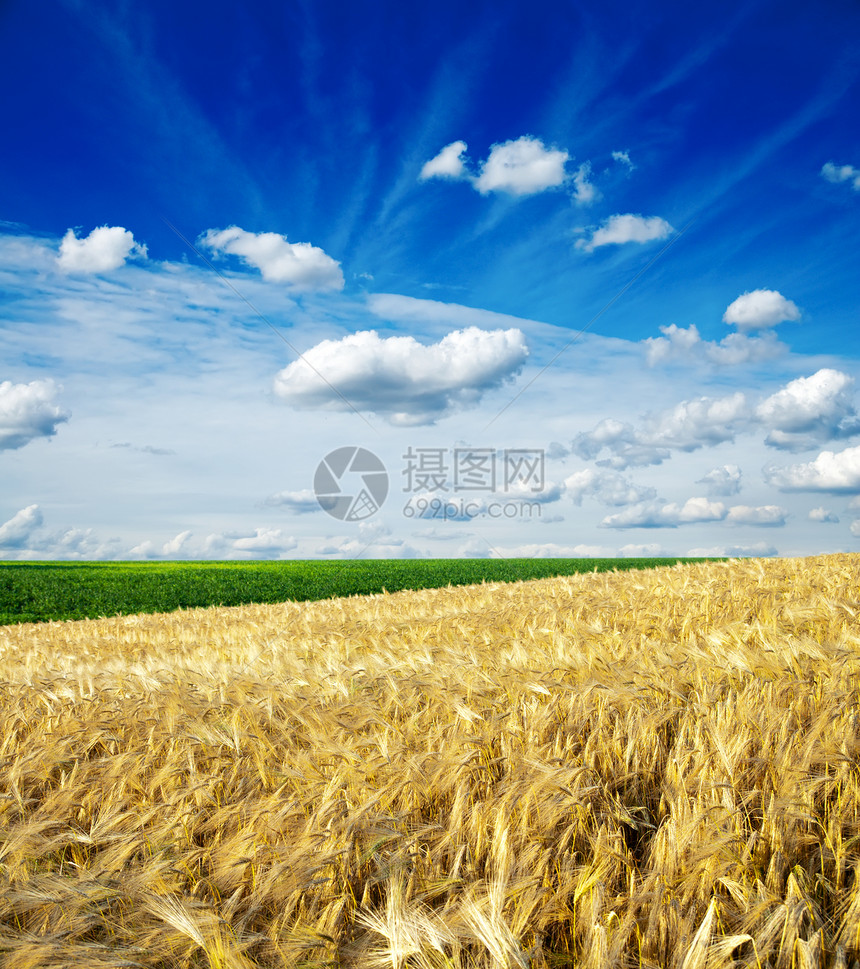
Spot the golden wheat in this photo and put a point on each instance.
(626, 769)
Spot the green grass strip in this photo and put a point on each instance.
(43, 591)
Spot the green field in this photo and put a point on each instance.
(43, 591)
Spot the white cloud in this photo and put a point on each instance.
(607, 487)
(649, 550)
(584, 192)
(653, 515)
(620, 229)
(549, 550)
(302, 502)
(448, 163)
(809, 411)
(836, 472)
(686, 344)
(764, 515)
(522, 167)
(374, 541)
(299, 265)
(823, 515)
(18, 531)
(759, 309)
(239, 544)
(104, 249)
(690, 425)
(623, 158)
(693, 423)
(855, 528)
(760, 550)
(28, 411)
(265, 540)
(22, 537)
(144, 550)
(624, 443)
(722, 481)
(842, 173)
(401, 379)
(175, 546)
(805, 413)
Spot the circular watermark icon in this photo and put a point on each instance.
(351, 483)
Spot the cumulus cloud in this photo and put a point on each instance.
(175, 547)
(607, 487)
(693, 511)
(104, 249)
(685, 344)
(398, 378)
(763, 515)
(655, 515)
(449, 163)
(18, 531)
(620, 229)
(374, 541)
(689, 425)
(758, 551)
(298, 265)
(302, 502)
(543, 551)
(809, 411)
(722, 481)
(823, 515)
(649, 550)
(522, 167)
(837, 472)
(628, 446)
(759, 309)
(842, 173)
(584, 191)
(261, 543)
(28, 411)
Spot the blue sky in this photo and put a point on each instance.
(604, 252)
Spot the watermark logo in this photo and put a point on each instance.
(351, 484)
(453, 484)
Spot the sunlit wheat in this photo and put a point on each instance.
(652, 769)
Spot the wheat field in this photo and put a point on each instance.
(605, 770)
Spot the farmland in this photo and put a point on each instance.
(649, 768)
(41, 591)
